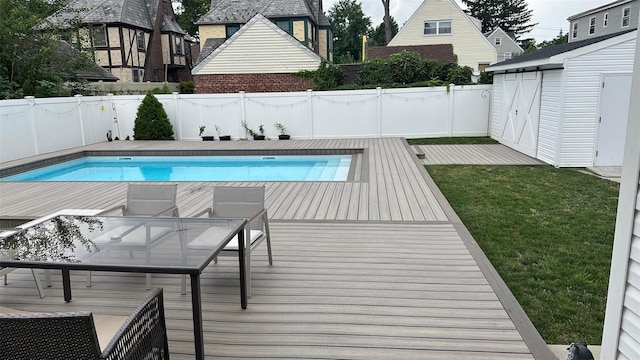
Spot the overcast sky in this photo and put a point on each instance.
(551, 15)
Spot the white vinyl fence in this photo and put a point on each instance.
(35, 126)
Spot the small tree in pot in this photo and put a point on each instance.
(222, 137)
(283, 132)
(204, 137)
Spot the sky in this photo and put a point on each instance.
(551, 15)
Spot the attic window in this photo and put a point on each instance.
(605, 22)
(625, 16)
(592, 25)
(439, 27)
(498, 41)
(232, 29)
(284, 25)
(99, 37)
(574, 31)
(140, 39)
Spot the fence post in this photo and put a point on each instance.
(310, 111)
(379, 110)
(32, 120)
(79, 98)
(451, 108)
(176, 100)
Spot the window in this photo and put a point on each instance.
(605, 22)
(231, 29)
(99, 37)
(178, 45)
(138, 75)
(140, 38)
(284, 25)
(441, 27)
(508, 55)
(498, 41)
(625, 16)
(574, 31)
(592, 26)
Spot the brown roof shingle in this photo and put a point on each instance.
(440, 52)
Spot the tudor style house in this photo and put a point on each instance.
(504, 43)
(135, 40)
(615, 17)
(444, 22)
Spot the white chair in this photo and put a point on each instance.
(153, 200)
(245, 203)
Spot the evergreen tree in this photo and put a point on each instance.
(152, 122)
(509, 15)
(378, 35)
(349, 24)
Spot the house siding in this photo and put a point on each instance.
(469, 44)
(211, 32)
(614, 21)
(497, 103)
(507, 45)
(233, 83)
(253, 52)
(581, 105)
(550, 114)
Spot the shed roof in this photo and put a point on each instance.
(440, 52)
(552, 56)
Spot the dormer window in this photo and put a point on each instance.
(574, 30)
(284, 25)
(99, 37)
(498, 41)
(179, 45)
(605, 22)
(439, 27)
(232, 29)
(592, 25)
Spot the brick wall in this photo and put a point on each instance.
(233, 83)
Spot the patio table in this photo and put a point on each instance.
(100, 243)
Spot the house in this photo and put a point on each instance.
(302, 19)
(135, 40)
(248, 62)
(620, 15)
(505, 44)
(566, 104)
(444, 22)
(440, 52)
(621, 334)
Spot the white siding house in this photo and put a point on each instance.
(444, 22)
(562, 104)
(252, 50)
(621, 336)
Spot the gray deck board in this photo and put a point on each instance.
(473, 155)
(375, 267)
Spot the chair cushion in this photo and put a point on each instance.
(106, 327)
(137, 237)
(203, 241)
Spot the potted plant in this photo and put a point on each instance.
(260, 136)
(248, 132)
(283, 132)
(204, 137)
(222, 137)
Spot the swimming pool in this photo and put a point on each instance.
(194, 168)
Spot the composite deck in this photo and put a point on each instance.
(376, 267)
(473, 155)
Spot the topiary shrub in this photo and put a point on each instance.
(152, 122)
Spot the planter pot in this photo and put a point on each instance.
(258, 137)
(284, 137)
(225, 138)
(207, 138)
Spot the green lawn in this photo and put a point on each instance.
(452, 140)
(548, 232)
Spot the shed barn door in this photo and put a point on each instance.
(521, 111)
(615, 94)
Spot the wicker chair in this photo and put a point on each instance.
(73, 335)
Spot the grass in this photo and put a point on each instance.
(452, 140)
(549, 234)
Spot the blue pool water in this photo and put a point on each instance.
(194, 168)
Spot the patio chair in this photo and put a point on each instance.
(151, 200)
(82, 335)
(239, 202)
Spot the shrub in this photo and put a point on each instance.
(152, 122)
(187, 87)
(460, 75)
(405, 67)
(373, 72)
(326, 77)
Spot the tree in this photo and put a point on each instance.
(152, 122)
(509, 15)
(560, 39)
(377, 37)
(349, 24)
(32, 59)
(387, 22)
(189, 11)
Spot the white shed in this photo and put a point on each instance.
(567, 104)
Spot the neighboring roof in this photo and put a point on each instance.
(209, 46)
(440, 52)
(241, 11)
(244, 29)
(598, 9)
(553, 55)
(137, 13)
(94, 73)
